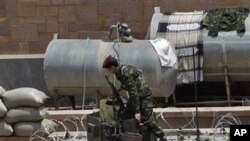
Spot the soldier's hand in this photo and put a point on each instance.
(122, 114)
(120, 89)
(138, 116)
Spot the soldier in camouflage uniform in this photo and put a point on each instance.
(140, 100)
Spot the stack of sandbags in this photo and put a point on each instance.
(25, 110)
(2, 90)
(6, 128)
(28, 128)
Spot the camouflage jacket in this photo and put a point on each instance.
(225, 19)
(133, 81)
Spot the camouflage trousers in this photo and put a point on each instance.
(148, 118)
(148, 121)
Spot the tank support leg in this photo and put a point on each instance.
(227, 83)
(224, 51)
(56, 99)
(72, 101)
(174, 99)
(99, 96)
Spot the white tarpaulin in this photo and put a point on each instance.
(165, 52)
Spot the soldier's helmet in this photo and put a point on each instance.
(109, 61)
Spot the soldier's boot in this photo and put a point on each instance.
(163, 139)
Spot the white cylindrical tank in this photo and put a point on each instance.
(68, 61)
(227, 54)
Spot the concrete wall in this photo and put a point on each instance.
(22, 71)
(27, 26)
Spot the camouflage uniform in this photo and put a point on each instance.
(139, 98)
(225, 19)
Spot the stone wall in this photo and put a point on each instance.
(27, 26)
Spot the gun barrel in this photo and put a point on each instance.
(116, 94)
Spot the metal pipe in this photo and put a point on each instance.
(209, 102)
(223, 74)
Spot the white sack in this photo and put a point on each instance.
(6, 129)
(28, 128)
(3, 109)
(24, 97)
(2, 90)
(25, 114)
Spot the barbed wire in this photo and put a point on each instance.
(219, 124)
(224, 121)
(74, 124)
(42, 134)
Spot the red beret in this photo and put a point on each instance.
(107, 61)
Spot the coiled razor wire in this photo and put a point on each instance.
(219, 124)
(163, 118)
(38, 135)
(222, 122)
(41, 133)
(191, 123)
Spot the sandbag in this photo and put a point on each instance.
(28, 128)
(3, 109)
(2, 90)
(24, 97)
(6, 128)
(25, 114)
